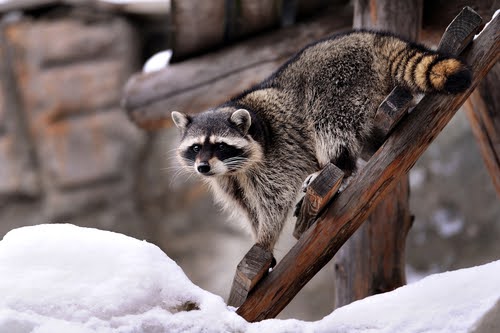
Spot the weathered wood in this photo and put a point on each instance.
(196, 25)
(195, 85)
(321, 190)
(438, 13)
(199, 26)
(392, 109)
(389, 15)
(399, 153)
(457, 36)
(372, 261)
(250, 270)
(483, 111)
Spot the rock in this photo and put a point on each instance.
(83, 151)
(69, 91)
(18, 175)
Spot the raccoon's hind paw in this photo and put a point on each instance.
(309, 180)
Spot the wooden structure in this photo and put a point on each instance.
(200, 26)
(398, 154)
(339, 219)
(207, 80)
(252, 268)
(483, 111)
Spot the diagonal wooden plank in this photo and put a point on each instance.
(483, 111)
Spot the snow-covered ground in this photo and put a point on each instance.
(62, 278)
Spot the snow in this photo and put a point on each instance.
(158, 61)
(497, 12)
(417, 177)
(62, 278)
(58, 276)
(447, 223)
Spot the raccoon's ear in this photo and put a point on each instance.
(242, 119)
(181, 120)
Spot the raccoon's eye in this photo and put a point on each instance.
(196, 148)
(221, 146)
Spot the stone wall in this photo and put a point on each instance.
(67, 149)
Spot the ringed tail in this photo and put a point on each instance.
(423, 70)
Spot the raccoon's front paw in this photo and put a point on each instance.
(298, 205)
(309, 180)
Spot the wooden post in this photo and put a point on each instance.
(373, 260)
(483, 111)
(251, 269)
(399, 153)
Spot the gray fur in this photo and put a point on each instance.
(316, 108)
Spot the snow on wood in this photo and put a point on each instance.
(63, 278)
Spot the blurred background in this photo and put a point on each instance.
(70, 154)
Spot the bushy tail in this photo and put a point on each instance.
(423, 70)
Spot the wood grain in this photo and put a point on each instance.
(392, 109)
(251, 269)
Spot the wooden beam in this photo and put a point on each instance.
(318, 194)
(460, 32)
(410, 139)
(251, 269)
(483, 110)
(194, 85)
(392, 109)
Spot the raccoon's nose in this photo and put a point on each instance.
(203, 167)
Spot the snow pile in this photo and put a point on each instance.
(62, 278)
(448, 302)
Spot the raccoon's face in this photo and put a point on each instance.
(217, 142)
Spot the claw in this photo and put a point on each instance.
(346, 182)
(309, 180)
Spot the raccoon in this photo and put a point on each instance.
(256, 149)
